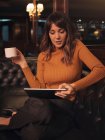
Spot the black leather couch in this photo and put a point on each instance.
(90, 101)
(12, 83)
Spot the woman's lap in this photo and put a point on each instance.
(34, 111)
(45, 118)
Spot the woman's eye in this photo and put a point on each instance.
(62, 31)
(51, 32)
(59, 31)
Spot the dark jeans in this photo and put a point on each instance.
(40, 118)
(53, 119)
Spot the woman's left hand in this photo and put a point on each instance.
(69, 93)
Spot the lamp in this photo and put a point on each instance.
(30, 9)
(40, 8)
(34, 9)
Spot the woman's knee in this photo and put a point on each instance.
(40, 109)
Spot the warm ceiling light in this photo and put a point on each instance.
(31, 8)
(40, 8)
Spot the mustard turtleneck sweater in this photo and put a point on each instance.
(53, 72)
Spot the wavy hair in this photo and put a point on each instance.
(62, 21)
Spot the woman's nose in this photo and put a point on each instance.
(57, 35)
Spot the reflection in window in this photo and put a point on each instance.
(91, 32)
(5, 33)
(40, 31)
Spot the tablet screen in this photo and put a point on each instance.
(42, 93)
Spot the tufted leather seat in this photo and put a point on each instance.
(12, 82)
(91, 109)
(12, 75)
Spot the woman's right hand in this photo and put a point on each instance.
(20, 59)
(69, 93)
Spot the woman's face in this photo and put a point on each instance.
(57, 36)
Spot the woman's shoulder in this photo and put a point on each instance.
(80, 45)
(41, 56)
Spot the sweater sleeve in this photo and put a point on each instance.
(97, 68)
(35, 81)
(31, 79)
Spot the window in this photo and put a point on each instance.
(5, 33)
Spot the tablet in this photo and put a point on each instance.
(42, 93)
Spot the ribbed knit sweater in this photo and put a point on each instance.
(51, 73)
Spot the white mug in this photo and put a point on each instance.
(10, 52)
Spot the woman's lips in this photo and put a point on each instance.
(58, 42)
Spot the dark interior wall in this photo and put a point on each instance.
(84, 8)
(92, 9)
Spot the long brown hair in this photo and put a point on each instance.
(62, 21)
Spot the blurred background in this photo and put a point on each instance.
(24, 31)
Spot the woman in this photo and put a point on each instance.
(59, 65)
